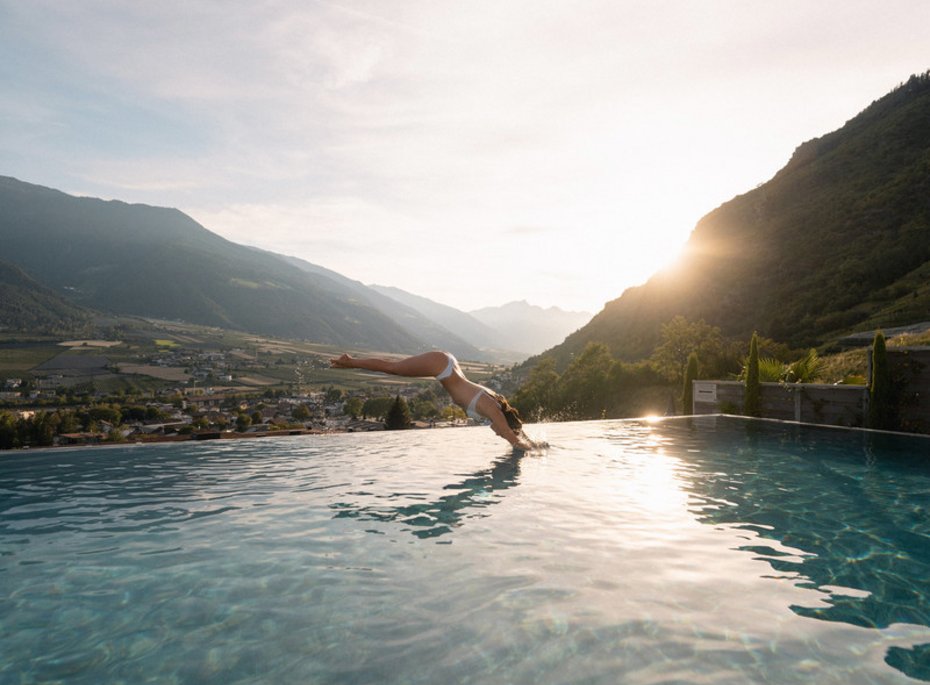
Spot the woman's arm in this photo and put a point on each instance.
(499, 425)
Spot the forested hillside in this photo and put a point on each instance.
(158, 262)
(838, 240)
(24, 304)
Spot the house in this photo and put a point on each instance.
(84, 438)
(49, 382)
(163, 428)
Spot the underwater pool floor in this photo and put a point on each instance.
(711, 550)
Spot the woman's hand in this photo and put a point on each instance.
(343, 362)
(523, 445)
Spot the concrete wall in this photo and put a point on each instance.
(832, 405)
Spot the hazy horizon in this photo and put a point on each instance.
(472, 154)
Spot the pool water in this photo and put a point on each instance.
(709, 550)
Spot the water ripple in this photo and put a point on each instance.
(717, 551)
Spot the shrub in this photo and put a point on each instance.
(752, 403)
(687, 392)
(881, 411)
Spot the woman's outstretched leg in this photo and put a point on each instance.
(427, 364)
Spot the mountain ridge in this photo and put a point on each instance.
(530, 328)
(838, 239)
(159, 262)
(514, 331)
(414, 321)
(461, 323)
(149, 261)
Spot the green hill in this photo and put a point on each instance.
(838, 240)
(158, 262)
(27, 305)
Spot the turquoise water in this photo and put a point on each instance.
(715, 550)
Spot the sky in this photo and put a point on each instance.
(474, 153)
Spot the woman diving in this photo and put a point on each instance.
(478, 401)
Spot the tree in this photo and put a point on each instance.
(423, 409)
(45, 428)
(352, 407)
(243, 421)
(583, 386)
(687, 391)
(680, 338)
(752, 402)
(398, 416)
(133, 412)
(301, 413)
(536, 398)
(377, 407)
(452, 412)
(68, 423)
(881, 411)
(7, 431)
(106, 412)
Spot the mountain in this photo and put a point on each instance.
(463, 325)
(528, 328)
(838, 240)
(423, 327)
(27, 305)
(153, 261)
(509, 333)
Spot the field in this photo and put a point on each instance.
(122, 360)
(256, 381)
(17, 359)
(165, 373)
(90, 343)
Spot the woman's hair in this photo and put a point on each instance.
(511, 414)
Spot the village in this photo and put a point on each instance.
(96, 393)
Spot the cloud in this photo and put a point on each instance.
(529, 231)
(332, 225)
(435, 139)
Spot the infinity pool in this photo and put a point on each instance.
(712, 550)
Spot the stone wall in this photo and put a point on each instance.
(832, 405)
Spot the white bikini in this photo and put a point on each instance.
(450, 367)
(472, 409)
